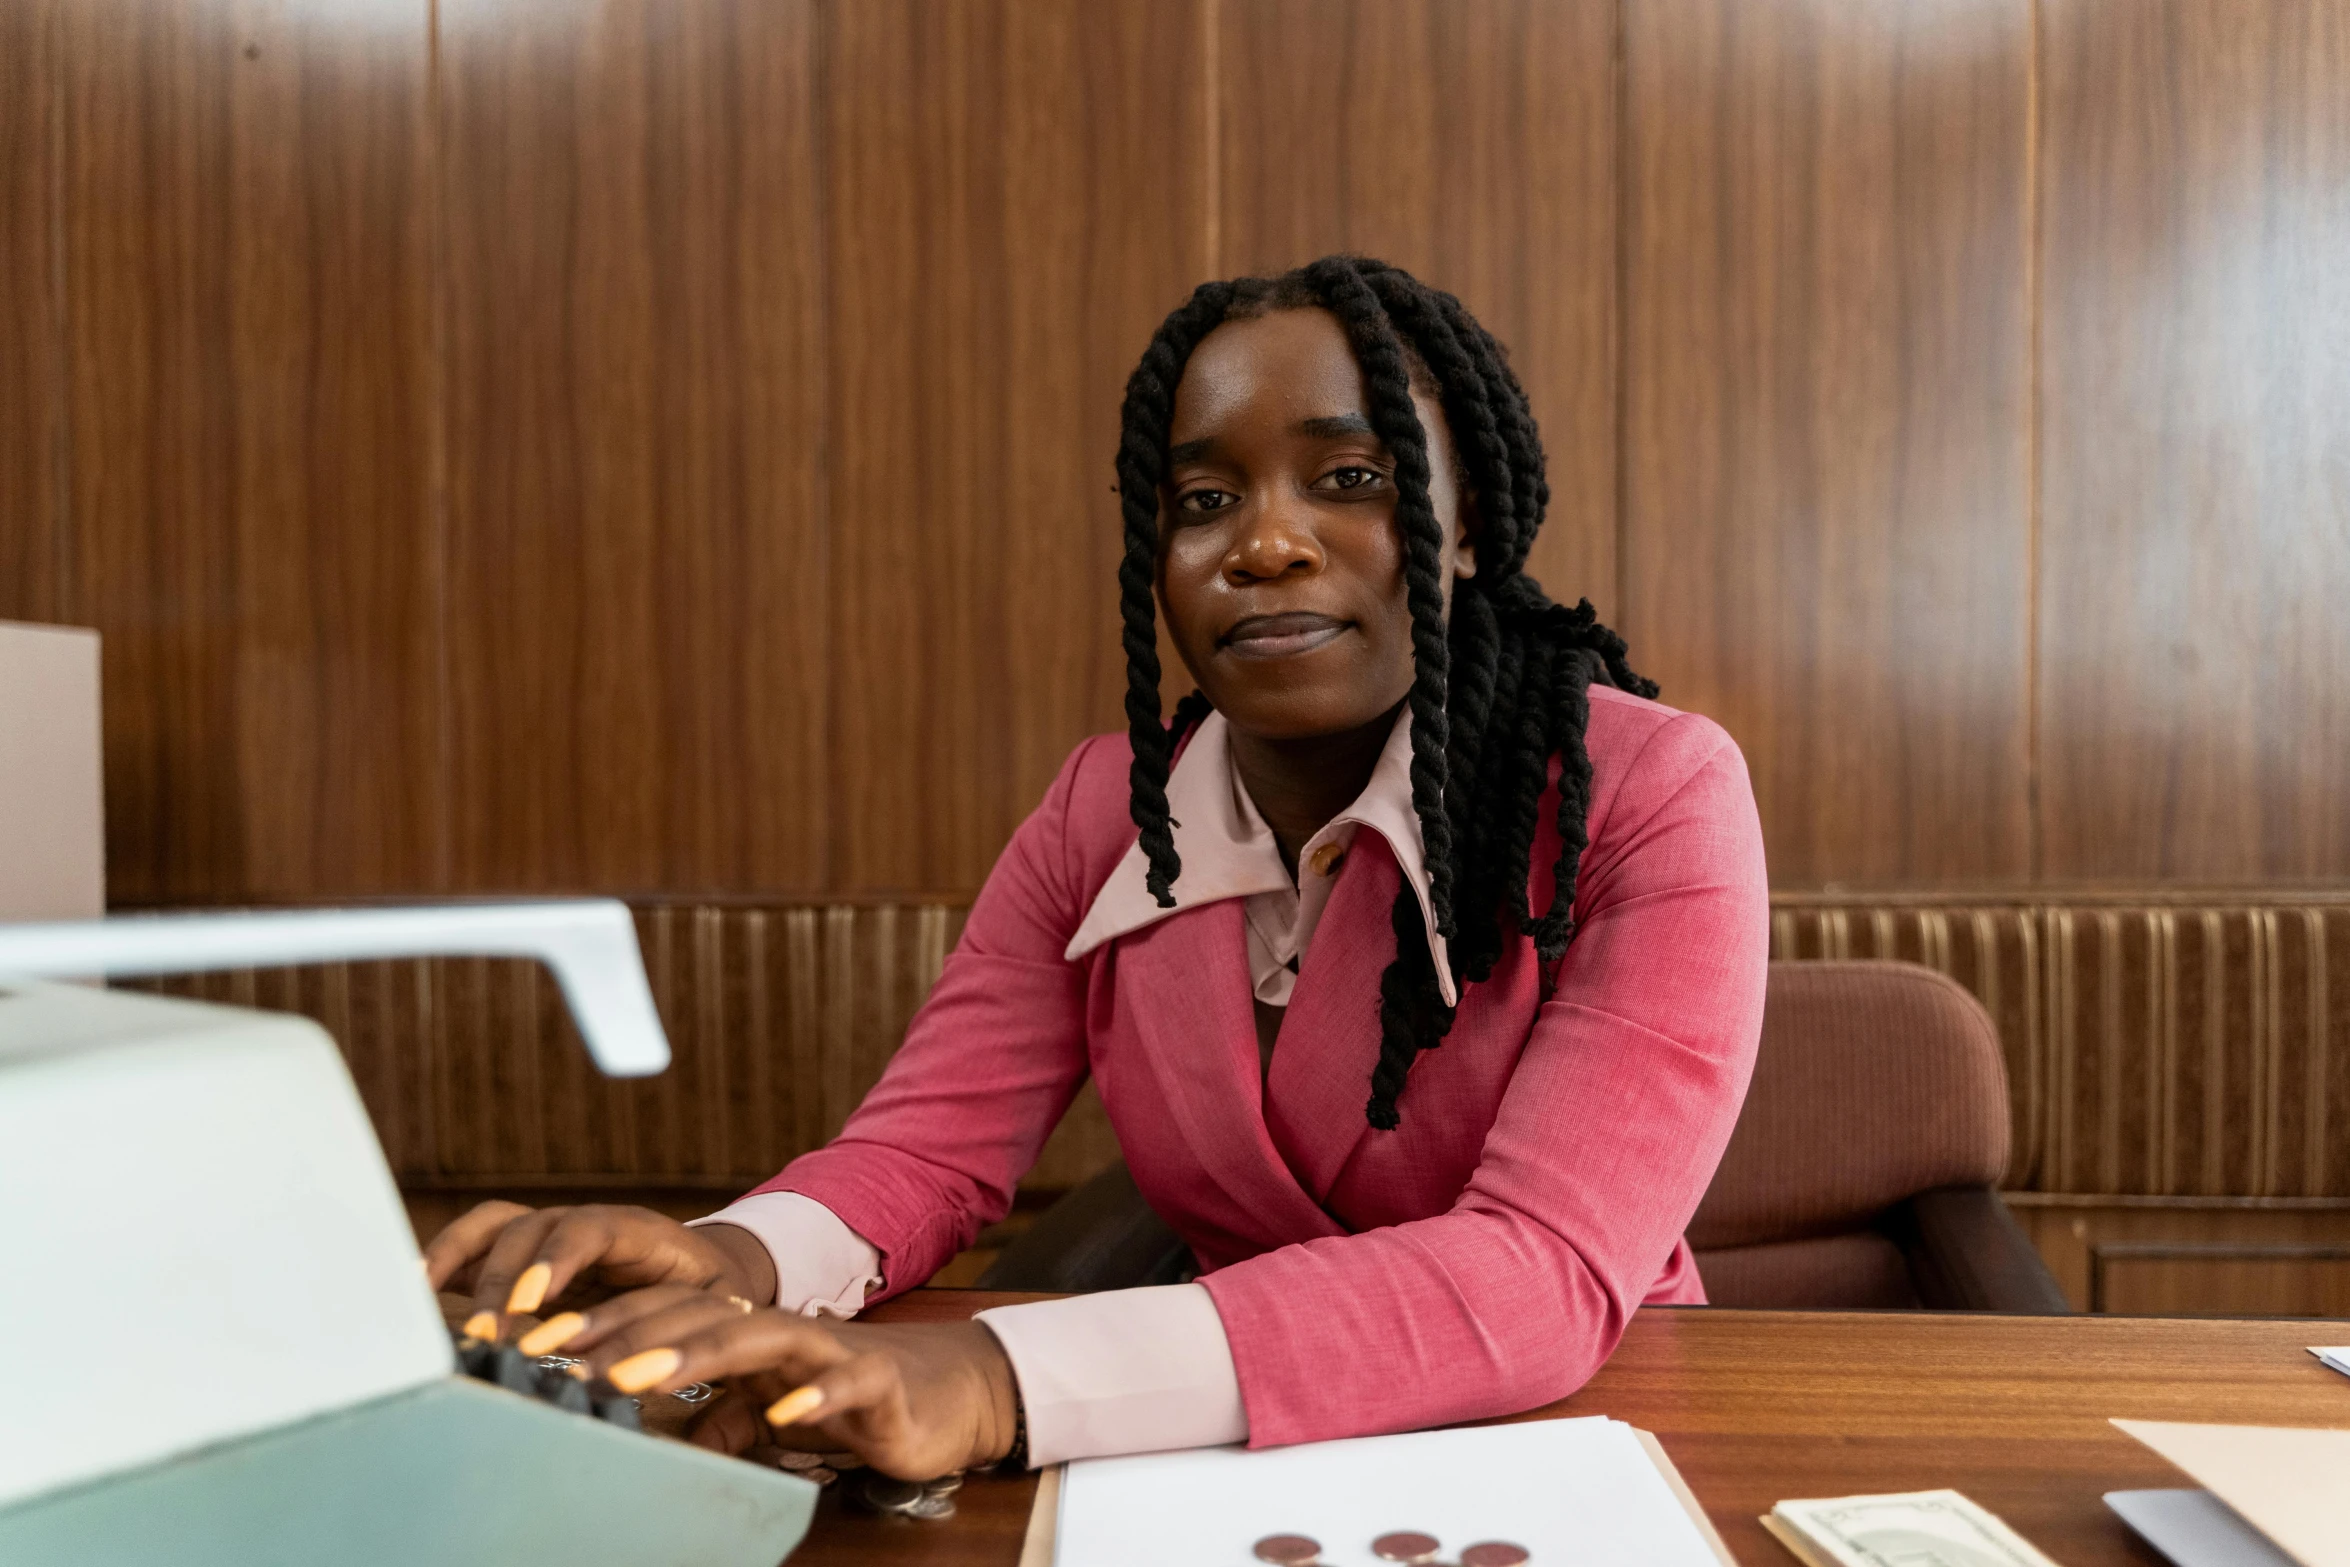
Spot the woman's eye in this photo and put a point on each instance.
(1353, 478)
(1207, 500)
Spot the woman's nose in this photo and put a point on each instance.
(1273, 543)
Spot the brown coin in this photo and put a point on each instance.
(1289, 1550)
(1406, 1547)
(1494, 1553)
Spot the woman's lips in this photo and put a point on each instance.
(1282, 636)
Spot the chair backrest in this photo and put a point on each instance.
(1875, 1081)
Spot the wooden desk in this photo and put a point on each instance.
(1758, 1406)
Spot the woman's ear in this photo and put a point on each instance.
(1465, 531)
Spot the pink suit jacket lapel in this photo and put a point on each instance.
(1321, 1077)
(1190, 1001)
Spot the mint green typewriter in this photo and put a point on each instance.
(225, 1349)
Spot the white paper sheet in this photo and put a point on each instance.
(2195, 1529)
(2334, 1355)
(1567, 1490)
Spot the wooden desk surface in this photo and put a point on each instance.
(1759, 1406)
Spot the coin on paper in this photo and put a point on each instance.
(1911, 1529)
(1289, 1550)
(1406, 1546)
(1494, 1553)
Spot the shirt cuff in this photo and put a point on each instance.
(1124, 1371)
(822, 1267)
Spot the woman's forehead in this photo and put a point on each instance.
(1288, 366)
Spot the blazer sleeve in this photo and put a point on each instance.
(988, 1066)
(1608, 1134)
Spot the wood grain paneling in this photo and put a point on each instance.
(2198, 1045)
(1825, 388)
(2196, 440)
(32, 405)
(639, 624)
(2193, 1256)
(249, 395)
(779, 1021)
(1471, 142)
(1015, 197)
(2222, 1280)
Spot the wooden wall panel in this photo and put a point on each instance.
(1473, 143)
(248, 322)
(2193, 1256)
(1825, 393)
(639, 629)
(1015, 195)
(2196, 439)
(32, 407)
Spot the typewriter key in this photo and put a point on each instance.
(517, 1372)
(566, 1393)
(1289, 1550)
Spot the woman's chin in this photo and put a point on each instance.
(1295, 715)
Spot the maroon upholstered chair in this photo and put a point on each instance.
(1863, 1168)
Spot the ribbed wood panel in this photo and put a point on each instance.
(2153, 1049)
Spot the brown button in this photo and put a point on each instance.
(1493, 1553)
(1326, 860)
(1289, 1550)
(1406, 1547)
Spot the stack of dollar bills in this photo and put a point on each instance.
(1914, 1529)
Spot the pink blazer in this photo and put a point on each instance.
(1482, 1258)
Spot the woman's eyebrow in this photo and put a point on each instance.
(1335, 424)
(1326, 426)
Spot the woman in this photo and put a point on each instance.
(1412, 804)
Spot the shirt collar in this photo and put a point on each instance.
(1229, 852)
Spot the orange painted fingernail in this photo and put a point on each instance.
(552, 1334)
(795, 1406)
(482, 1325)
(530, 1291)
(641, 1370)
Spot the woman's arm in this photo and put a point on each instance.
(1608, 1135)
(989, 1064)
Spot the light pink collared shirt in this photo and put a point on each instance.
(1138, 1370)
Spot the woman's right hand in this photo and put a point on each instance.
(518, 1261)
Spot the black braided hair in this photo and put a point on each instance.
(1497, 690)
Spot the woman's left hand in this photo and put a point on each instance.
(914, 1400)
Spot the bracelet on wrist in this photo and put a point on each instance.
(1016, 1461)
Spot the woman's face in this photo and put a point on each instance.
(1281, 569)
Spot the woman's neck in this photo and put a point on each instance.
(1298, 785)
